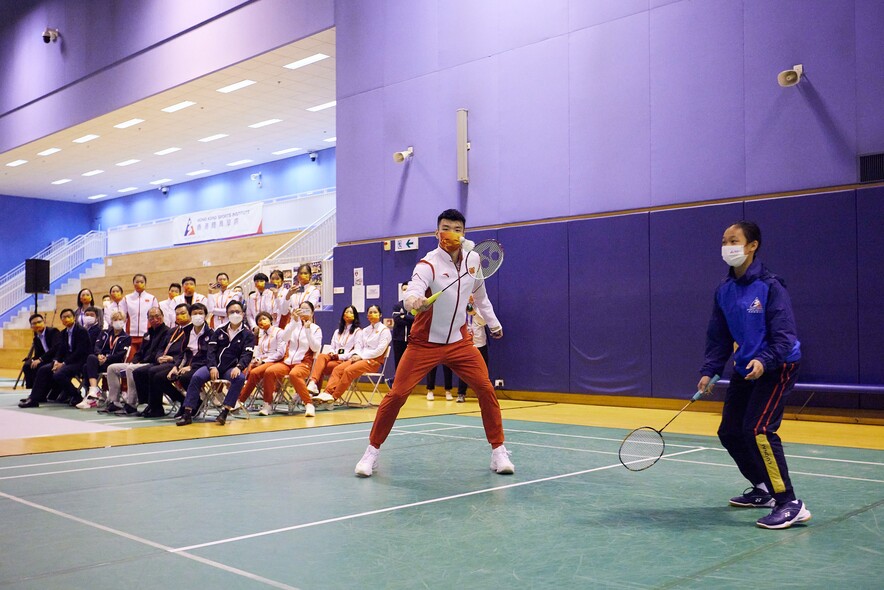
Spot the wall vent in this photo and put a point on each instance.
(871, 168)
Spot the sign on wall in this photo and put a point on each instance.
(218, 224)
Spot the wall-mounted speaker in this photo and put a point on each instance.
(36, 276)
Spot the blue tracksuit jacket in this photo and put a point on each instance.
(755, 312)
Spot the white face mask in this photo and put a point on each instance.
(198, 320)
(119, 324)
(733, 255)
(235, 318)
(89, 321)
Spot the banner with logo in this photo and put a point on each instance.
(218, 224)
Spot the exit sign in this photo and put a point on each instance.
(406, 244)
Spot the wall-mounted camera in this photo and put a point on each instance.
(164, 190)
(50, 35)
(313, 156)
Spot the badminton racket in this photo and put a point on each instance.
(644, 446)
(482, 261)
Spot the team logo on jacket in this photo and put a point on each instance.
(756, 307)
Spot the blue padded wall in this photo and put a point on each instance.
(533, 308)
(686, 267)
(608, 305)
(870, 263)
(811, 243)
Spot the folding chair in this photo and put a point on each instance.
(363, 399)
(212, 397)
(286, 395)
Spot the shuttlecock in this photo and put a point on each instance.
(468, 245)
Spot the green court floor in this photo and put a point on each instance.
(284, 510)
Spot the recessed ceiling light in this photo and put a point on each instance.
(49, 152)
(93, 197)
(167, 151)
(128, 189)
(86, 138)
(265, 123)
(196, 172)
(286, 151)
(306, 61)
(213, 137)
(92, 172)
(61, 181)
(127, 162)
(237, 86)
(129, 123)
(239, 162)
(323, 106)
(160, 181)
(330, 139)
(15, 163)
(178, 106)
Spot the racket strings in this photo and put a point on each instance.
(641, 448)
(485, 259)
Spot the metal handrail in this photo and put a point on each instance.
(63, 255)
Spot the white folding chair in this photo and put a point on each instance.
(373, 380)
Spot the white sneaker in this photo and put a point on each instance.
(368, 463)
(88, 403)
(311, 387)
(309, 411)
(500, 461)
(94, 392)
(266, 410)
(324, 397)
(430, 396)
(448, 396)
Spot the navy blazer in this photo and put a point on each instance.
(188, 358)
(79, 348)
(116, 353)
(225, 353)
(48, 353)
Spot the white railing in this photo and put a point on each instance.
(63, 256)
(315, 243)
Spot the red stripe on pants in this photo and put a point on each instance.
(465, 360)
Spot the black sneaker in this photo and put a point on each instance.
(110, 408)
(753, 498)
(185, 419)
(127, 410)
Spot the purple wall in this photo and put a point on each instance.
(112, 54)
(586, 107)
(29, 225)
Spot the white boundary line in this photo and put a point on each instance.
(149, 543)
(791, 471)
(404, 506)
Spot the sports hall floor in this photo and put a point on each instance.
(273, 503)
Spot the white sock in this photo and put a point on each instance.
(763, 487)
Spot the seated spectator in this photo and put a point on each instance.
(230, 352)
(368, 357)
(342, 344)
(154, 338)
(110, 347)
(53, 379)
(197, 337)
(42, 348)
(92, 323)
(269, 350)
(171, 353)
(168, 305)
(136, 306)
(261, 299)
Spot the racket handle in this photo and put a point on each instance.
(707, 389)
(430, 300)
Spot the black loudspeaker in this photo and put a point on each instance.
(36, 276)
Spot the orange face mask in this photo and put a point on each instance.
(449, 241)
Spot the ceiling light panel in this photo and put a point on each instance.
(178, 106)
(129, 123)
(238, 86)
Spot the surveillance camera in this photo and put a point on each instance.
(164, 190)
(50, 35)
(256, 176)
(400, 157)
(313, 156)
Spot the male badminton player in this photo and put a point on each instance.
(753, 309)
(439, 336)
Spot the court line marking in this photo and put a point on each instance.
(404, 506)
(149, 543)
(791, 471)
(200, 447)
(192, 457)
